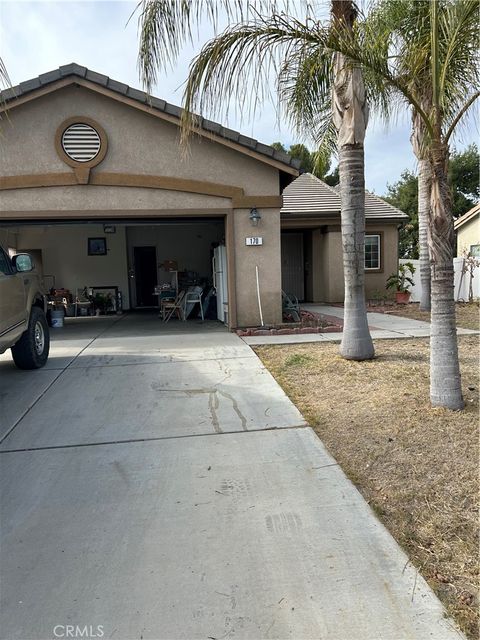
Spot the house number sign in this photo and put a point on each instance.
(254, 242)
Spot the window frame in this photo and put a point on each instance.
(379, 235)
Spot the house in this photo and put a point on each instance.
(312, 260)
(468, 232)
(94, 183)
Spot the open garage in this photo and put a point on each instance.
(97, 187)
(135, 265)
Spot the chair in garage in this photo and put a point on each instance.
(169, 308)
(190, 300)
(82, 301)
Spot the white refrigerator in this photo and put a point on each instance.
(220, 285)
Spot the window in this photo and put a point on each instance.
(372, 252)
(475, 250)
(5, 266)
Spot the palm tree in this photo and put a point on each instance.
(422, 82)
(403, 17)
(400, 18)
(350, 116)
(444, 40)
(249, 52)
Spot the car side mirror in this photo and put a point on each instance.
(22, 262)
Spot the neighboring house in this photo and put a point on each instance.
(468, 232)
(312, 261)
(95, 185)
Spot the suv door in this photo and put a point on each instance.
(13, 315)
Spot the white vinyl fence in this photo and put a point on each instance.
(462, 283)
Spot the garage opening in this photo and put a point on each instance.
(108, 267)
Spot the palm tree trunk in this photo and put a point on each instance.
(356, 341)
(350, 116)
(445, 381)
(424, 188)
(424, 194)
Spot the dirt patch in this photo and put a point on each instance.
(416, 466)
(468, 313)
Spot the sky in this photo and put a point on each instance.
(36, 37)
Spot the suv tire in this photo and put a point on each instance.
(31, 351)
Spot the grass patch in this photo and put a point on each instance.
(298, 359)
(416, 466)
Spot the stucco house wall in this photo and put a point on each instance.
(468, 234)
(138, 143)
(268, 260)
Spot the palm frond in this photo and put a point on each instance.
(242, 61)
(305, 90)
(5, 83)
(165, 26)
(459, 53)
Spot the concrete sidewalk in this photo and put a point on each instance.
(382, 326)
(161, 485)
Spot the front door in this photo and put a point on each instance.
(293, 265)
(145, 261)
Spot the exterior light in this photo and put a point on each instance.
(254, 216)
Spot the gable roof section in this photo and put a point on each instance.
(36, 87)
(471, 213)
(308, 196)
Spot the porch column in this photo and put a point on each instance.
(267, 257)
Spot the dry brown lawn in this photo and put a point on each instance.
(468, 313)
(416, 466)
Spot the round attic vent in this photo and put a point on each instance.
(81, 142)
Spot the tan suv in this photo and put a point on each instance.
(23, 324)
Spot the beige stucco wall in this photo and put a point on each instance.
(137, 143)
(375, 281)
(328, 285)
(468, 234)
(112, 199)
(267, 258)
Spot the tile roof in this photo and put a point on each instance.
(308, 195)
(76, 70)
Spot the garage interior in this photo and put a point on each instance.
(104, 267)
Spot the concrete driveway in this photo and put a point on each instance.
(157, 483)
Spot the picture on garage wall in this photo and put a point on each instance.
(97, 247)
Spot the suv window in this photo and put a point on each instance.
(5, 264)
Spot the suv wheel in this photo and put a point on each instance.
(31, 351)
